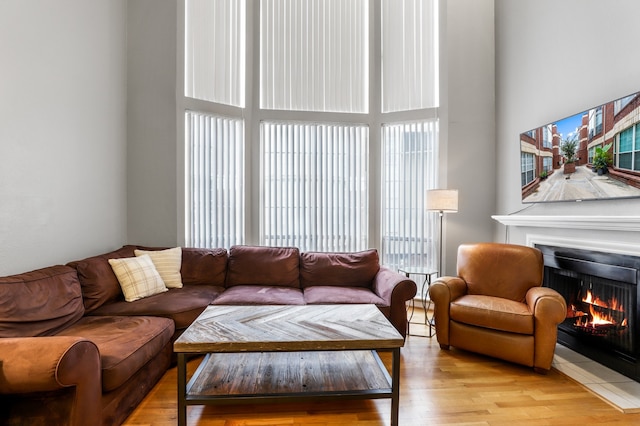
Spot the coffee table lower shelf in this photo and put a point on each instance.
(249, 377)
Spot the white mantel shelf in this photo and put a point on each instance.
(607, 223)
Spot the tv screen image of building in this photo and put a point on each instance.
(591, 155)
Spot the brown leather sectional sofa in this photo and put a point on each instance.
(73, 351)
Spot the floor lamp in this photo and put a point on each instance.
(442, 201)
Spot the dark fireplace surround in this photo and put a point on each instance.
(602, 304)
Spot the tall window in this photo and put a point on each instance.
(595, 122)
(528, 170)
(547, 137)
(409, 53)
(324, 167)
(315, 186)
(214, 71)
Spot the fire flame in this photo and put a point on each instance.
(613, 304)
(598, 318)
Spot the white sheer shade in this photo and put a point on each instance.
(409, 54)
(314, 55)
(409, 169)
(315, 186)
(215, 179)
(215, 51)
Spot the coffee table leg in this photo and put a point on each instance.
(395, 387)
(182, 390)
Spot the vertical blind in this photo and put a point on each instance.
(215, 51)
(314, 192)
(215, 178)
(410, 157)
(409, 54)
(314, 55)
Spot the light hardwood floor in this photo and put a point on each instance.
(437, 388)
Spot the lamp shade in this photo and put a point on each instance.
(442, 200)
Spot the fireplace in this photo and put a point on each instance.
(602, 304)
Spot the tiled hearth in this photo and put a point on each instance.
(614, 388)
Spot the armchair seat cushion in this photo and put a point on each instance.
(493, 312)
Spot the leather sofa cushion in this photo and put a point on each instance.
(204, 266)
(182, 305)
(99, 284)
(493, 312)
(321, 294)
(126, 344)
(200, 265)
(260, 295)
(339, 269)
(267, 266)
(40, 302)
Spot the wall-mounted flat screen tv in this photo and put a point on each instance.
(592, 155)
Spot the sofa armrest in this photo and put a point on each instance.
(41, 364)
(442, 292)
(549, 309)
(395, 289)
(389, 284)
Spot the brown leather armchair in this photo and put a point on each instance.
(497, 306)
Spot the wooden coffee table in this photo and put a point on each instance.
(282, 353)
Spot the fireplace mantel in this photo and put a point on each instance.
(605, 223)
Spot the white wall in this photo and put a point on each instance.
(468, 122)
(152, 156)
(62, 131)
(554, 59)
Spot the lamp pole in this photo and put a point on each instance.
(440, 272)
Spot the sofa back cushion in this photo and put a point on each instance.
(40, 302)
(99, 284)
(339, 269)
(200, 265)
(204, 266)
(258, 265)
(500, 270)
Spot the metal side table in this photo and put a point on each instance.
(424, 298)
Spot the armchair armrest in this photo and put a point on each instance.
(395, 289)
(547, 305)
(41, 364)
(549, 309)
(442, 292)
